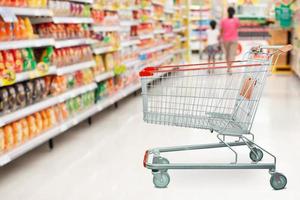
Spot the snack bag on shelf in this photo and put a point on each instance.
(12, 99)
(64, 111)
(45, 119)
(99, 68)
(4, 105)
(51, 116)
(2, 140)
(18, 134)
(58, 114)
(21, 96)
(39, 122)
(109, 62)
(32, 126)
(8, 60)
(37, 90)
(29, 92)
(25, 129)
(17, 55)
(9, 137)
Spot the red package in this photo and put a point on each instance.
(8, 60)
(18, 60)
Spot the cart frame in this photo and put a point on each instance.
(160, 165)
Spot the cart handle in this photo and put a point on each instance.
(149, 71)
(280, 48)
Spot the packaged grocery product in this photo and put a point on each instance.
(21, 96)
(109, 61)
(2, 66)
(4, 105)
(29, 62)
(48, 81)
(12, 99)
(2, 140)
(29, 92)
(32, 126)
(99, 68)
(44, 92)
(79, 78)
(51, 116)
(17, 55)
(39, 122)
(3, 35)
(17, 131)
(8, 60)
(64, 110)
(46, 55)
(58, 114)
(9, 137)
(37, 90)
(25, 129)
(23, 29)
(9, 31)
(45, 120)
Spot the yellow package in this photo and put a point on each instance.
(2, 141)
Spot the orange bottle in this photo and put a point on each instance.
(32, 126)
(17, 33)
(39, 122)
(25, 129)
(18, 135)
(9, 137)
(2, 140)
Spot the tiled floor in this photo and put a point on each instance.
(104, 161)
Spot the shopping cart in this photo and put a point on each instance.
(224, 102)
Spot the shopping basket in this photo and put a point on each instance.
(222, 101)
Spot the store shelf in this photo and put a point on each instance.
(100, 28)
(177, 30)
(129, 23)
(104, 76)
(101, 50)
(24, 76)
(158, 3)
(146, 36)
(167, 35)
(157, 48)
(16, 115)
(131, 63)
(18, 44)
(169, 11)
(160, 31)
(45, 136)
(130, 43)
(117, 97)
(179, 51)
(73, 42)
(75, 67)
(83, 1)
(36, 12)
(162, 60)
(63, 20)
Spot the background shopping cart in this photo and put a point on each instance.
(187, 96)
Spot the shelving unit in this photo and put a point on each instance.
(165, 52)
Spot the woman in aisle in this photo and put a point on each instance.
(229, 36)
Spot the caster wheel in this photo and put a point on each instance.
(278, 181)
(160, 160)
(161, 180)
(256, 155)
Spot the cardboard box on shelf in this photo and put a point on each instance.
(282, 60)
(278, 36)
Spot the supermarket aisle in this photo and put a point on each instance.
(105, 161)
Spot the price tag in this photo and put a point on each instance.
(7, 15)
(8, 78)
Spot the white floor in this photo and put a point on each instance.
(104, 161)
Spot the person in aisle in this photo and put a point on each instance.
(229, 36)
(212, 43)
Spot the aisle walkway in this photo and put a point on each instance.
(104, 161)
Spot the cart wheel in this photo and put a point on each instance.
(278, 181)
(161, 180)
(256, 155)
(160, 160)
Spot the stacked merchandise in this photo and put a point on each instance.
(200, 16)
(54, 52)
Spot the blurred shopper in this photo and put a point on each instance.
(212, 43)
(229, 36)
